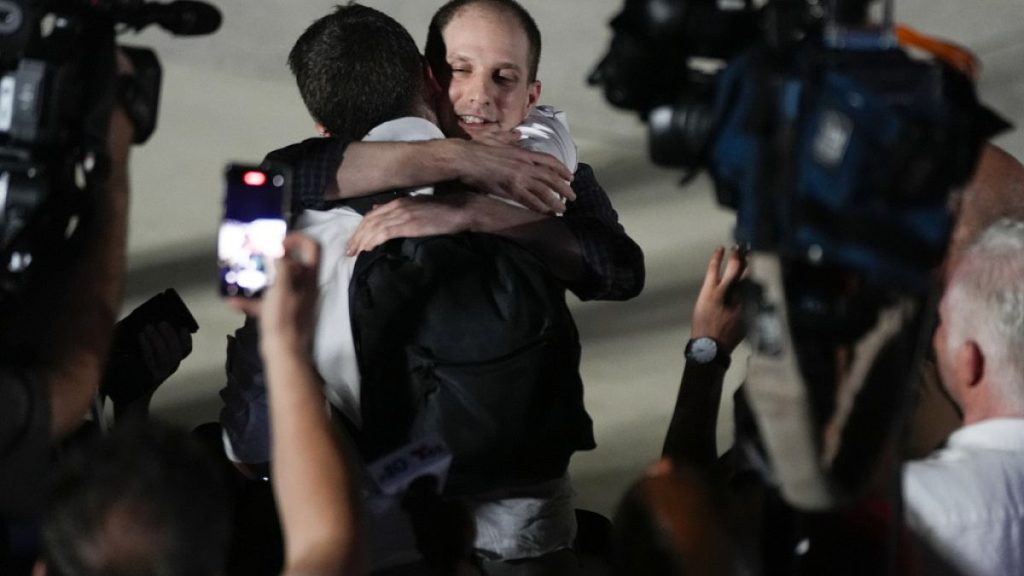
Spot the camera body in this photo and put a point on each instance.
(838, 150)
(835, 147)
(58, 85)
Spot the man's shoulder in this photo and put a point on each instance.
(963, 473)
(584, 180)
(312, 164)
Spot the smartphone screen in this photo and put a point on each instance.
(253, 230)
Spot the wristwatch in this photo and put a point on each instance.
(705, 350)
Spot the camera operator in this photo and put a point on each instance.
(43, 401)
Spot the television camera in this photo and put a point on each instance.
(832, 143)
(58, 82)
(838, 149)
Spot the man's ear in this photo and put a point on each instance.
(39, 568)
(430, 82)
(970, 365)
(532, 95)
(321, 130)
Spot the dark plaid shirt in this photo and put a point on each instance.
(613, 262)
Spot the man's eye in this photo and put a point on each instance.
(460, 71)
(503, 79)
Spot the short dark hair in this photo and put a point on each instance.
(145, 500)
(356, 68)
(436, 51)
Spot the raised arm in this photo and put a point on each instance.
(612, 263)
(82, 341)
(717, 315)
(312, 481)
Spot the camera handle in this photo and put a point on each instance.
(843, 34)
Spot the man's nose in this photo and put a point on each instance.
(480, 90)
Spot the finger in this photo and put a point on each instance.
(375, 240)
(171, 342)
(124, 63)
(744, 263)
(394, 225)
(362, 239)
(555, 180)
(734, 266)
(532, 199)
(564, 189)
(302, 249)
(146, 351)
(714, 266)
(553, 193)
(161, 354)
(357, 243)
(551, 200)
(399, 224)
(550, 162)
(290, 271)
(247, 306)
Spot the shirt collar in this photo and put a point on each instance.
(407, 128)
(992, 434)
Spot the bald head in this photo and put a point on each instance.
(995, 192)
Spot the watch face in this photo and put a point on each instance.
(703, 350)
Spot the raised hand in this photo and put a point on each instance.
(288, 311)
(162, 349)
(718, 313)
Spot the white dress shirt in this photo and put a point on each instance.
(967, 499)
(333, 348)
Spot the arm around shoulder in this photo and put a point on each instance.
(613, 264)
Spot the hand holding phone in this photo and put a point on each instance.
(133, 371)
(252, 232)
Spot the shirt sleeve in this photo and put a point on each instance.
(245, 415)
(24, 443)
(613, 262)
(546, 130)
(313, 163)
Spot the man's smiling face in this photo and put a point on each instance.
(490, 87)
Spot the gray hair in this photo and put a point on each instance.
(985, 303)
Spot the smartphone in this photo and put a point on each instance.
(167, 306)
(126, 372)
(252, 232)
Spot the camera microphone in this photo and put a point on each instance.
(181, 17)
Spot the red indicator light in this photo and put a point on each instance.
(254, 178)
